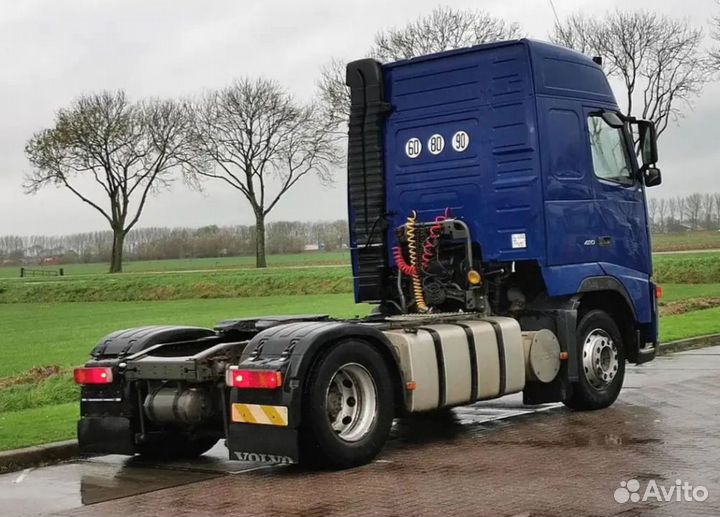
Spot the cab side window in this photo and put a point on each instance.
(609, 152)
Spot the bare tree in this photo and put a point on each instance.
(260, 141)
(715, 52)
(445, 28)
(652, 213)
(111, 154)
(708, 202)
(662, 210)
(672, 207)
(693, 206)
(659, 59)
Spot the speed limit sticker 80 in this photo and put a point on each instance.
(436, 144)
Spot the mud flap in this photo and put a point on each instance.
(105, 435)
(263, 443)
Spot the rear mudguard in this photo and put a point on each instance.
(293, 349)
(109, 413)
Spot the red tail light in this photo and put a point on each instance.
(658, 292)
(93, 375)
(265, 379)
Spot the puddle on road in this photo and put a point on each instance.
(474, 420)
(66, 486)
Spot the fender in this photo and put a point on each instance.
(645, 333)
(294, 348)
(607, 283)
(129, 341)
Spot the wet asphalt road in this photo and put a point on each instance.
(492, 458)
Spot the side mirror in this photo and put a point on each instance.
(648, 142)
(651, 176)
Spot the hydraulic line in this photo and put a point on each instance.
(403, 266)
(432, 240)
(412, 249)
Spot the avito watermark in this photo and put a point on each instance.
(681, 491)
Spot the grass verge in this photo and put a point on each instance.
(173, 286)
(690, 324)
(63, 333)
(686, 241)
(38, 425)
(687, 268)
(143, 266)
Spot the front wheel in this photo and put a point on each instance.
(601, 362)
(348, 407)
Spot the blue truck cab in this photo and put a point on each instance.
(524, 143)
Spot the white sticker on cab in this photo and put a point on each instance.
(518, 240)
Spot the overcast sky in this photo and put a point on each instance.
(53, 51)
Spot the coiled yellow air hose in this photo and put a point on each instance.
(412, 250)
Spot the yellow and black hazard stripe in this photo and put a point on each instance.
(260, 414)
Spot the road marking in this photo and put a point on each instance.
(22, 476)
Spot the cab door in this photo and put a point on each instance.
(622, 235)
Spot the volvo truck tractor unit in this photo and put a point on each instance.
(497, 221)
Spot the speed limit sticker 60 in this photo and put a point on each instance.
(413, 148)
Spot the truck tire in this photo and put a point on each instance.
(348, 407)
(601, 362)
(175, 447)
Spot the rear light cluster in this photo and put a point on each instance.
(264, 379)
(93, 375)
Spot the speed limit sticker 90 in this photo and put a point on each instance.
(413, 148)
(460, 141)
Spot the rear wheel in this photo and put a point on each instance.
(348, 407)
(601, 362)
(176, 446)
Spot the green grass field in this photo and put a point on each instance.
(699, 268)
(178, 286)
(676, 292)
(310, 258)
(686, 241)
(38, 425)
(39, 334)
(62, 335)
(687, 268)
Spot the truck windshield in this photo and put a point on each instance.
(609, 151)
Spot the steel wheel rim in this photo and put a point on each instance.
(351, 402)
(600, 359)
